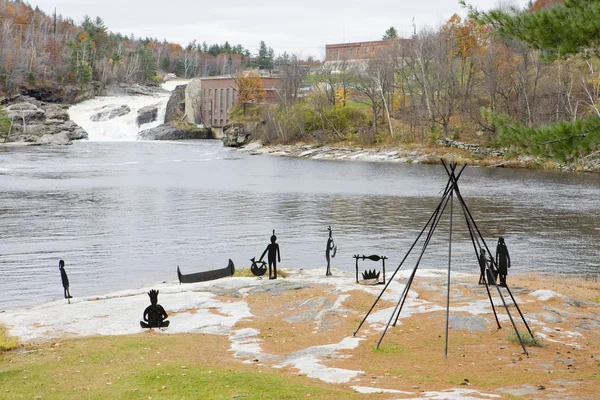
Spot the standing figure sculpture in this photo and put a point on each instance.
(273, 250)
(482, 265)
(330, 246)
(502, 260)
(154, 315)
(65, 280)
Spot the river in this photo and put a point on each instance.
(123, 214)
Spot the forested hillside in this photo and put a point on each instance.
(40, 50)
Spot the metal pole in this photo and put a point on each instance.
(409, 283)
(489, 272)
(435, 212)
(427, 240)
(449, 264)
(520, 313)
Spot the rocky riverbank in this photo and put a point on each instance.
(449, 150)
(304, 324)
(40, 116)
(39, 123)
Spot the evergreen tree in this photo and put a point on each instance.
(266, 56)
(557, 31)
(390, 33)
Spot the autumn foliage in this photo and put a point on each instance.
(250, 89)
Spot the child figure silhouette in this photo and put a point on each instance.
(273, 257)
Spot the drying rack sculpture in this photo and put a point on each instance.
(451, 192)
(371, 275)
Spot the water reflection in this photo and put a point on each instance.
(125, 214)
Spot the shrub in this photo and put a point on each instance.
(6, 342)
(527, 339)
(4, 125)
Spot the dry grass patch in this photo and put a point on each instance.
(577, 288)
(296, 320)
(7, 342)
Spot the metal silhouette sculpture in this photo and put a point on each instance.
(65, 280)
(451, 192)
(502, 261)
(482, 265)
(328, 255)
(229, 270)
(370, 275)
(274, 256)
(154, 315)
(258, 268)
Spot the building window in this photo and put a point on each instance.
(227, 101)
(221, 101)
(215, 100)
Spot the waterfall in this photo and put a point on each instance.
(122, 128)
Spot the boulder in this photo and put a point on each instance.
(170, 132)
(176, 105)
(237, 135)
(41, 119)
(46, 95)
(73, 94)
(139, 90)
(111, 111)
(147, 114)
(193, 97)
(60, 138)
(25, 111)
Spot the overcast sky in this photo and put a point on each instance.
(300, 27)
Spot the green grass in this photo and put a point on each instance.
(245, 272)
(147, 366)
(527, 339)
(391, 348)
(6, 342)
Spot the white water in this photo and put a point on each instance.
(122, 128)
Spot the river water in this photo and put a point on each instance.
(123, 214)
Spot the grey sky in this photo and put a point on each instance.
(302, 27)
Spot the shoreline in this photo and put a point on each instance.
(303, 324)
(416, 155)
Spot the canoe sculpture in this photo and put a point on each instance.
(229, 270)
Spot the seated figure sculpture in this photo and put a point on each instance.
(154, 315)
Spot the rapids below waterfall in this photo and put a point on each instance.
(123, 128)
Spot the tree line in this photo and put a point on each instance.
(496, 77)
(40, 50)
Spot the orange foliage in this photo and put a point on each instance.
(250, 89)
(175, 48)
(82, 36)
(539, 4)
(468, 36)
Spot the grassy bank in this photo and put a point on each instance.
(148, 366)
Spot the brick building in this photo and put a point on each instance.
(209, 99)
(355, 51)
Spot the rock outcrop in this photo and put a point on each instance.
(133, 89)
(111, 111)
(472, 148)
(171, 132)
(176, 105)
(192, 101)
(237, 135)
(147, 114)
(36, 122)
(73, 94)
